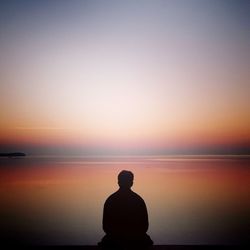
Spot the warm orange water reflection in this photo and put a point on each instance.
(189, 200)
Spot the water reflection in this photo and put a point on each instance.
(60, 200)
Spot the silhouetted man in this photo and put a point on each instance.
(125, 217)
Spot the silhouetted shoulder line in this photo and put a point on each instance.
(120, 193)
(137, 195)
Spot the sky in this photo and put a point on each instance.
(125, 77)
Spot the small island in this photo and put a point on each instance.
(12, 155)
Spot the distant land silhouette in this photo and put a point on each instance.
(11, 155)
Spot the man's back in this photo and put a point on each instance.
(125, 217)
(125, 214)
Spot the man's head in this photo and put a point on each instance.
(125, 179)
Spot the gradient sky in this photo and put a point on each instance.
(125, 76)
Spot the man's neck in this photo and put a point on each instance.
(124, 189)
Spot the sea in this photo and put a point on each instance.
(58, 200)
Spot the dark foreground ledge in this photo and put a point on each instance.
(156, 247)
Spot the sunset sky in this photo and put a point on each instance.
(125, 77)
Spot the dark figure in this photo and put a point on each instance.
(125, 218)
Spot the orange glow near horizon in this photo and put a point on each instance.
(178, 138)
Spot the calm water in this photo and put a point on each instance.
(190, 200)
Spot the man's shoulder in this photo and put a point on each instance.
(118, 195)
(137, 196)
(112, 196)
